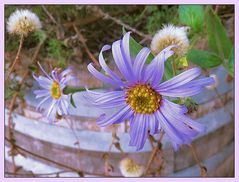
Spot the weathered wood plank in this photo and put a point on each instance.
(212, 163)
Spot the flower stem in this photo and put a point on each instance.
(174, 67)
(154, 152)
(203, 169)
(12, 104)
(17, 56)
(70, 90)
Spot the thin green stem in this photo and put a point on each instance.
(71, 90)
(174, 67)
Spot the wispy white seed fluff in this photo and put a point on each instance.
(169, 35)
(22, 22)
(129, 168)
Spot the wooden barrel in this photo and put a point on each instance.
(53, 148)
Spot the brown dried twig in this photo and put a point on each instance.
(39, 174)
(203, 169)
(83, 41)
(154, 152)
(49, 14)
(46, 159)
(119, 22)
(93, 18)
(17, 58)
(11, 108)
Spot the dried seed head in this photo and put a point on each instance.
(22, 22)
(129, 168)
(169, 35)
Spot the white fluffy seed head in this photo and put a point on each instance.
(169, 35)
(22, 22)
(129, 168)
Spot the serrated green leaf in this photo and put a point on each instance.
(218, 41)
(72, 101)
(192, 15)
(204, 59)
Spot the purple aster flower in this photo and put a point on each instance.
(54, 102)
(142, 98)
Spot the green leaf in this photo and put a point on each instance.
(204, 59)
(72, 101)
(218, 41)
(231, 62)
(135, 47)
(192, 15)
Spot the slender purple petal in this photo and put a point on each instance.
(102, 77)
(175, 108)
(200, 82)
(43, 81)
(126, 50)
(106, 100)
(179, 80)
(138, 131)
(156, 67)
(182, 92)
(100, 96)
(176, 122)
(153, 124)
(104, 65)
(120, 61)
(117, 117)
(181, 117)
(168, 128)
(65, 73)
(139, 63)
(158, 71)
(41, 93)
(195, 125)
(51, 107)
(42, 101)
(44, 71)
(143, 134)
(55, 75)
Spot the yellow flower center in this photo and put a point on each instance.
(143, 99)
(55, 90)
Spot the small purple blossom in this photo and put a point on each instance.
(54, 102)
(142, 98)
